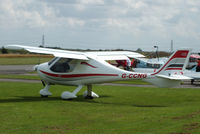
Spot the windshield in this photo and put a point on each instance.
(51, 61)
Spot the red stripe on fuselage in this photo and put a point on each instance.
(75, 75)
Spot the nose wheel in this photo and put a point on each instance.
(45, 91)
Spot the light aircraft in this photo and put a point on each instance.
(87, 68)
(186, 72)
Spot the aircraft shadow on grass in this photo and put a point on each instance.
(78, 99)
(111, 103)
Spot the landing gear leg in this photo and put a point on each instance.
(45, 91)
(88, 94)
(68, 95)
(192, 81)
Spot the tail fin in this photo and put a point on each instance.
(171, 73)
(176, 63)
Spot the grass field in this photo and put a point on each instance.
(23, 59)
(18, 76)
(119, 110)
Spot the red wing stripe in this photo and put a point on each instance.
(173, 69)
(76, 75)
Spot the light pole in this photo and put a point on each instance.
(157, 52)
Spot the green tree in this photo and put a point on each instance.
(139, 50)
(4, 51)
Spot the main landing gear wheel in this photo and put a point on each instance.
(88, 94)
(71, 95)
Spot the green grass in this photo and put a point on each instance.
(23, 60)
(119, 110)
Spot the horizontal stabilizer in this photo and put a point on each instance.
(174, 77)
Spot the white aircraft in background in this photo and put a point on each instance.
(87, 68)
(186, 72)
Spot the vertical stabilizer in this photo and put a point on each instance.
(171, 73)
(176, 63)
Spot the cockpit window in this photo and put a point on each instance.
(51, 61)
(63, 65)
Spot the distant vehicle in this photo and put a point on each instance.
(87, 68)
(192, 73)
(193, 61)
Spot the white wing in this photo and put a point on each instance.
(115, 55)
(109, 55)
(56, 53)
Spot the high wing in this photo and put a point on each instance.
(56, 53)
(115, 55)
(106, 55)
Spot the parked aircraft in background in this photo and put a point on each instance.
(150, 67)
(150, 63)
(87, 68)
(143, 62)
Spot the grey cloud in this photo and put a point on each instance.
(115, 21)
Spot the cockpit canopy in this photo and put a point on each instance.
(62, 65)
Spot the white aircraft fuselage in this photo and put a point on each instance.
(87, 72)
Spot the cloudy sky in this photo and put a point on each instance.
(101, 24)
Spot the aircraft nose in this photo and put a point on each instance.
(35, 67)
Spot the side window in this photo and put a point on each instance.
(63, 65)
